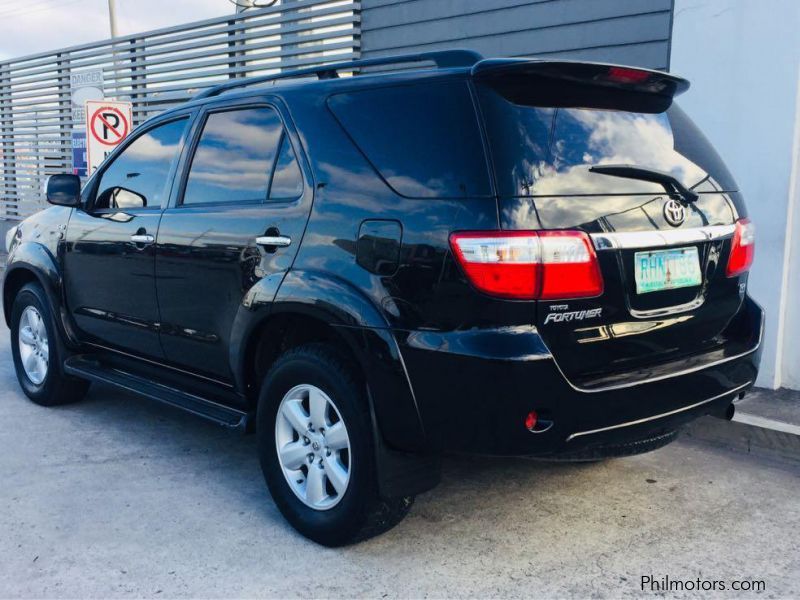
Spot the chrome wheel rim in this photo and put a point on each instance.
(313, 447)
(34, 350)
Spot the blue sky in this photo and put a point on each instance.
(33, 26)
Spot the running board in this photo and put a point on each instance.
(89, 367)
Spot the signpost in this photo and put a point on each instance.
(84, 86)
(107, 124)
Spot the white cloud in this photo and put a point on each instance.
(148, 148)
(34, 26)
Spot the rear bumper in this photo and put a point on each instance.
(474, 390)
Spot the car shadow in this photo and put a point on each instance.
(140, 427)
(111, 426)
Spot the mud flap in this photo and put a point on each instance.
(402, 474)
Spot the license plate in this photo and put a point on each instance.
(666, 269)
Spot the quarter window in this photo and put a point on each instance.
(139, 176)
(236, 156)
(423, 139)
(287, 181)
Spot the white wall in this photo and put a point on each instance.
(790, 363)
(743, 59)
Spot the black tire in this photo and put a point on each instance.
(57, 387)
(360, 513)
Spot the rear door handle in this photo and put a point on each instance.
(142, 238)
(274, 241)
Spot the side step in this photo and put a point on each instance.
(89, 367)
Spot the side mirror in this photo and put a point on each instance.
(64, 190)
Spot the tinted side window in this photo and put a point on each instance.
(423, 139)
(139, 176)
(234, 157)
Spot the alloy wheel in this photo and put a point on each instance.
(313, 447)
(34, 351)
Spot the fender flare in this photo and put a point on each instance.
(36, 258)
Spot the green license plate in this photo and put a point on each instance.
(666, 269)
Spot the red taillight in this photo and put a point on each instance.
(529, 265)
(627, 75)
(743, 248)
(569, 266)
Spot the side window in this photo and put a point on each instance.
(423, 139)
(139, 176)
(236, 156)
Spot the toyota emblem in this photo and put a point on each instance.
(674, 212)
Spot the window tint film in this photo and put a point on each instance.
(234, 157)
(423, 139)
(549, 151)
(139, 176)
(287, 181)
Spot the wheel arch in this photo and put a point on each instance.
(311, 306)
(32, 262)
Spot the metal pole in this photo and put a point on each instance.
(112, 17)
(112, 21)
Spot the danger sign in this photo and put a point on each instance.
(107, 124)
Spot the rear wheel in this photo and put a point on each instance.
(316, 449)
(36, 351)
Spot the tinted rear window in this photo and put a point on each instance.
(540, 151)
(423, 139)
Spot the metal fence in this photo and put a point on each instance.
(154, 70)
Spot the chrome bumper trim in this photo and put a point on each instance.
(669, 310)
(660, 416)
(655, 239)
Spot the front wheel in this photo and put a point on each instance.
(316, 449)
(35, 349)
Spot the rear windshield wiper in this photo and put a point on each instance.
(671, 184)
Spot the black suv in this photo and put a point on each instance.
(501, 256)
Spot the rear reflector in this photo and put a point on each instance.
(743, 248)
(531, 420)
(529, 265)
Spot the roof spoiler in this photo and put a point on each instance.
(600, 85)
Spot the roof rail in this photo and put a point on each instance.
(443, 60)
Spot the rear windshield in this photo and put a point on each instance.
(423, 139)
(540, 151)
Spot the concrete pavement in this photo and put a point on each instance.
(121, 497)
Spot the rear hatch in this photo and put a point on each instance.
(605, 150)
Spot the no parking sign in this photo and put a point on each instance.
(107, 124)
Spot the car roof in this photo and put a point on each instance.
(325, 87)
(326, 79)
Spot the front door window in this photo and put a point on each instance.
(140, 176)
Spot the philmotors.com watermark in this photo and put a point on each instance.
(652, 583)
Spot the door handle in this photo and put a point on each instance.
(142, 238)
(274, 241)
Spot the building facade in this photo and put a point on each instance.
(622, 31)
